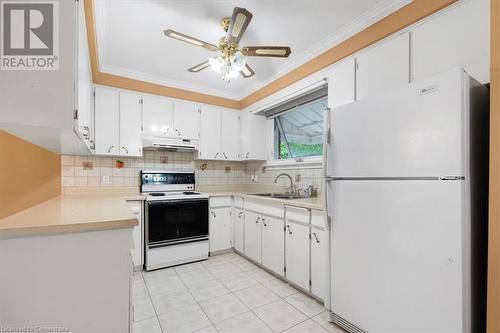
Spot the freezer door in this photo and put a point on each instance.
(396, 254)
(412, 131)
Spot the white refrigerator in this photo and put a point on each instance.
(406, 193)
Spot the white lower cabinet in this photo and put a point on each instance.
(138, 250)
(253, 236)
(239, 230)
(319, 262)
(297, 254)
(273, 244)
(220, 228)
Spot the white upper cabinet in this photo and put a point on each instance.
(130, 124)
(230, 145)
(458, 37)
(342, 83)
(210, 133)
(186, 120)
(118, 123)
(253, 137)
(158, 116)
(107, 115)
(383, 66)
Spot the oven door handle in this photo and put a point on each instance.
(213, 214)
(175, 201)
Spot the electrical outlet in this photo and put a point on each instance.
(106, 179)
(163, 159)
(227, 169)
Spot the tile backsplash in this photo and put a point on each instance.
(96, 171)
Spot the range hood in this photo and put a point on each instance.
(169, 144)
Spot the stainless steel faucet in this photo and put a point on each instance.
(292, 189)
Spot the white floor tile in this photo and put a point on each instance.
(323, 319)
(243, 264)
(158, 274)
(209, 329)
(280, 288)
(224, 271)
(206, 290)
(307, 305)
(256, 296)
(143, 309)
(186, 319)
(239, 281)
(150, 325)
(260, 275)
(279, 315)
(139, 289)
(165, 285)
(308, 326)
(196, 276)
(214, 261)
(188, 267)
(176, 299)
(223, 307)
(243, 323)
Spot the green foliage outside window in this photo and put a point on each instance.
(300, 149)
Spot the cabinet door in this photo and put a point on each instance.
(253, 137)
(130, 124)
(158, 116)
(186, 120)
(107, 118)
(319, 263)
(220, 229)
(253, 240)
(383, 67)
(239, 230)
(210, 134)
(297, 254)
(342, 83)
(137, 251)
(273, 244)
(230, 146)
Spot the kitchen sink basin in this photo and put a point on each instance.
(278, 195)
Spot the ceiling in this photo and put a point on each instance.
(131, 42)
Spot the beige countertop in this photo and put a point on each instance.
(69, 213)
(311, 203)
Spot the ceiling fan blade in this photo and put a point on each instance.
(267, 51)
(239, 23)
(199, 67)
(247, 72)
(190, 40)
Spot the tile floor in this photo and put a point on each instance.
(225, 293)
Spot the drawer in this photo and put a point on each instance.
(264, 209)
(220, 202)
(318, 218)
(297, 214)
(239, 202)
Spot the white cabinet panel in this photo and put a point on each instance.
(130, 124)
(137, 251)
(186, 120)
(342, 83)
(229, 143)
(253, 236)
(297, 254)
(239, 230)
(210, 133)
(253, 137)
(273, 244)
(458, 37)
(158, 116)
(319, 263)
(220, 229)
(383, 66)
(107, 115)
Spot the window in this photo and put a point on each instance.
(298, 132)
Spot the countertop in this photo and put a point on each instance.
(69, 213)
(311, 203)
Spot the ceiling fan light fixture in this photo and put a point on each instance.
(238, 61)
(216, 64)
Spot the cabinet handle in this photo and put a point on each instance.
(264, 222)
(257, 221)
(289, 229)
(178, 132)
(216, 155)
(240, 214)
(224, 155)
(109, 149)
(213, 214)
(316, 236)
(126, 150)
(246, 155)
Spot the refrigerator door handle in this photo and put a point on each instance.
(329, 179)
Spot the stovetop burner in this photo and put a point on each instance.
(157, 194)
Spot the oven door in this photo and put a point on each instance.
(176, 221)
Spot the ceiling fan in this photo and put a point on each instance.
(232, 60)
